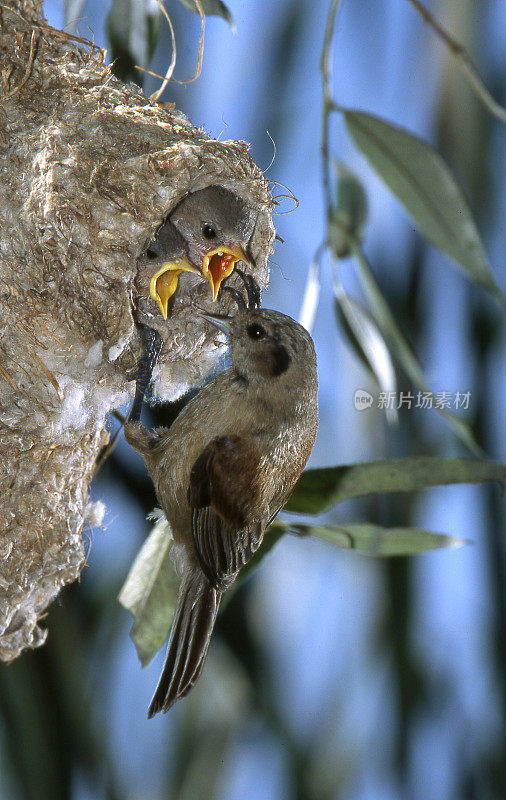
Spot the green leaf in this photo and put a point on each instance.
(401, 349)
(150, 590)
(424, 184)
(150, 593)
(374, 540)
(365, 336)
(321, 489)
(347, 217)
(132, 29)
(213, 7)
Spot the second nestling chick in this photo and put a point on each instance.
(224, 469)
(206, 234)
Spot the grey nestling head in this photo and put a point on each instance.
(167, 244)
(212, 217)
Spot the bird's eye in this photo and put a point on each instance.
(151, 254)
(208, 231)
(255, 332)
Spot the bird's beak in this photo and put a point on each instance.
(163, 284)
(219, 321)
(219, 264)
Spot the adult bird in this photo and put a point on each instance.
(224, 469)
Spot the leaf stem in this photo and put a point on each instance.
(461, 56)
(328, 104)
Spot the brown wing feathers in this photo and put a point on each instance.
(224, 542)
(225, 533)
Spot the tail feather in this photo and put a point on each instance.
(196, 609)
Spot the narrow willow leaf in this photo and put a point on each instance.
(311, 298)
(213, 7)
(374, 540)
(320, 489)
(364, 331)
(401, 349)
(348, 216)
(73, 10)
(150, 592)
(132, 28)
(424, 184)
(351, 198)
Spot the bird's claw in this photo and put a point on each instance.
(252, 291)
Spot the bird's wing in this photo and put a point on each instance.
(228, 521)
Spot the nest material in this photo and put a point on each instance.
(90, 168)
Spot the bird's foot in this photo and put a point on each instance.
(152, 344)
(252, 291)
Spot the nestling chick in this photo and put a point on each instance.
(207, 233)
(223, 471)
(152, 343)
(159, 267)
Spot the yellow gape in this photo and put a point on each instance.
(163, 284)
(216, 266)
(219, 264)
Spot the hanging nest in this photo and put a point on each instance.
(90, 169)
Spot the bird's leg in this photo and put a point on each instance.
(252, 289)
(152, 344)
(239, 299)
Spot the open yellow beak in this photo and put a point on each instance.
(219, 264)
(163, 284)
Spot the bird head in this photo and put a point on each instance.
(269, 347)
(215, 227)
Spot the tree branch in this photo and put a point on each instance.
(462, 58)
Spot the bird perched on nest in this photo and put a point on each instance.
(224, 469)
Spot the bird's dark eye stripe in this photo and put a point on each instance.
(256, 331)
(208, 231)
(280, 360)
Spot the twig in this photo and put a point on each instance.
(168, 75)
(54, 31)
(106, 452)
(200, 9)
(327, 98)
(70, 37)
(170, 70)
(27, 71)
(464, 61)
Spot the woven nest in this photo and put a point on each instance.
(90, 169)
